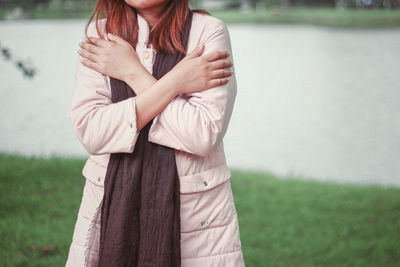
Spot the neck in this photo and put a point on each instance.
(151, 14)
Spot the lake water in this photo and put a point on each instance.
(312, 102)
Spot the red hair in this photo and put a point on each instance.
(121, 20)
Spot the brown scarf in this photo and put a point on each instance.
(138, 220)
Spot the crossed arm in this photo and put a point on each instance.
(195, 122)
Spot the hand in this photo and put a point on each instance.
(114, 57)
(197, 73)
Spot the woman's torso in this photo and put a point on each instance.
(197, 173)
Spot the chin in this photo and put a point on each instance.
(145, 4)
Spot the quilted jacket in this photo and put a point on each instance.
(192, 124)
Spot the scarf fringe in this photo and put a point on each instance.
(92, 243)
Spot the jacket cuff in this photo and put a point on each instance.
(132, 123)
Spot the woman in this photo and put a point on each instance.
(187, 110)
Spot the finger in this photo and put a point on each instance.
(116, 38)
(88, 55)
(196, 52)
(98, 41)
(89, 64)
(220, 64)
(215, 55)
(90, 47)
(221, 73)
(218, 82)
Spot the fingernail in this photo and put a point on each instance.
(110, 35)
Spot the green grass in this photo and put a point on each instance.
(286, 222)
(283, 222)
(39, 204)
(349, 18)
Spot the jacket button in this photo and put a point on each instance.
(203, 223)
(205, 183)
(132, 126)
(99, 179)
(146, 54)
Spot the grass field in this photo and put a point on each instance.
(348, 18)
(283, 222)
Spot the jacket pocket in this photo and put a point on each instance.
(207, 209)
(198, 182)
(94, 172)
(206, 199)
(204, 180)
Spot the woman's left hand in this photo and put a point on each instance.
(115, 57)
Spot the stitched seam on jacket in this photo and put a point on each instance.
(230, 218)
(83, 216)
(215, 255)
(202, 171)
(92, 160)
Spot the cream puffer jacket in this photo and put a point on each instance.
(193, 124)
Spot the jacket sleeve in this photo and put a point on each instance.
(197, 122)
(100, 125)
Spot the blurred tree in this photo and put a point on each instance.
(23, 3)
(77, 4)
(71, 4)
(387, 4)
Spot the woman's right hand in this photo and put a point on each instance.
(196, 72)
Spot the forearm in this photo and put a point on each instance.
(140, 82)
(152, 96)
